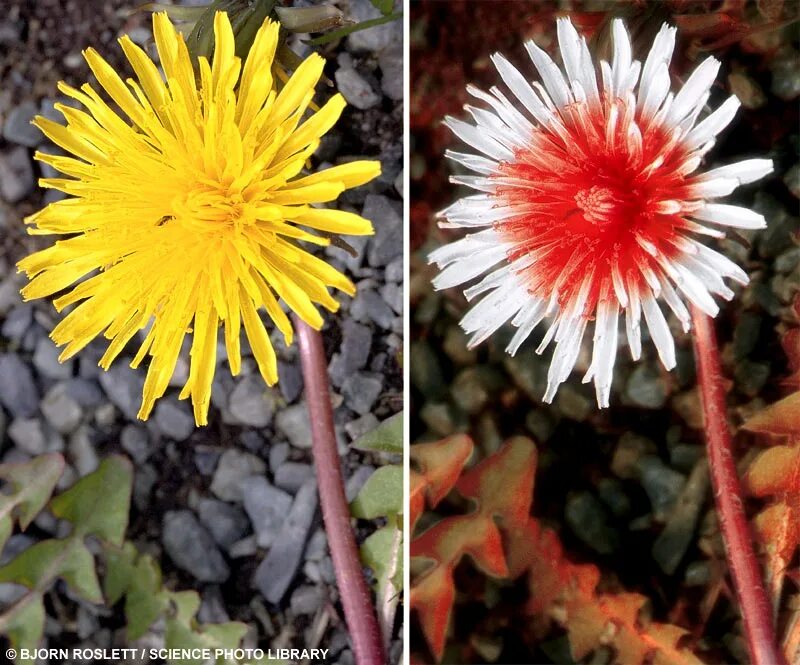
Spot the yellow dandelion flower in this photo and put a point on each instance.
(187, 215)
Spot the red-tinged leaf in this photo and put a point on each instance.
(447, 541)
(778, 529)
(441, 463)
(416, 497)
(503, 483)
(432, 598)
(774, 471)
(779, 419)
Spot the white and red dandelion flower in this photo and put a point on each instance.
(592, 205)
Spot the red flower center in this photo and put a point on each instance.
(592, 200)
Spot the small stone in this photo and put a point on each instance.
(392, 294)
(469, 392)
(360, 426)
(353, 351)
(630, 449)
(356, 481)
(792, 180)
(278, 454)
(540, 423)
(267, 507)
(61, 411)
(786, 75)
(747, 90)
(277, 571)
(387, 243)
(673, 542)
(123, 386)
(587, 519)
(206, 459)
(662, 484)
(290, 381)
(245, 547)
(226, 523)
(360, 391)
(375, 39)
(174, 419)
(18, 128)
(390, 61)
(574, 403)
(369, 306)
(191, 547)
(613, 495)
(212, 609)
(233, 468)
(45, 360)
(28, 435)
(252, 402)
(355, 89)
(293, 422)
(82, 452)
(136, 442)
(291, 475)
(18, 393)
(683, 456)
(17, 322)
(645, 387)
(306, 600)
(17, 179)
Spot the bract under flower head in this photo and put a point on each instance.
(592, 204)
(189, 213)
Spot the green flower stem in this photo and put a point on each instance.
(359, 613)
(736, 533)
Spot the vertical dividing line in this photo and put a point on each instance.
(356, 598)
(736, 533)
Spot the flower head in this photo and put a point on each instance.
(591, 203)
(188, 213)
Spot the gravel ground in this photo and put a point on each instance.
(215, 504)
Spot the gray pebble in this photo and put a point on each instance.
(291, 475)
(243, 548)
(18, 128)
(387, 243)
(252, 402)
(28, 435)
(662, 484)
(82, 452)
(174, 419)
(16, 175)
(369, 306)
(144, 480)
(45, 360)
(377, 38)
(361, 390)
(390, 61)
(17, 322)
(645, 387)
(290, 381)
(293, 422)
(191, 547)
(18, 393)
(136, 442)
(356, 481)
(123, 386)
(233, 467)
(267, 507)
(227, 523)
(587, 519)
(355, 89)
(61, 411)
(306, 600)
(360, 426)
(278, 569)
(278, 454)
(353, 352)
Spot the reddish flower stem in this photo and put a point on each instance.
(356, 599)
(736, 533)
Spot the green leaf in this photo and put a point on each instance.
(32, 483)
(98, 504)
(39, 565)
(145, 600)
(381, 495)
(120, 564)
(385, 438)
(23, 624)
(382, 551)
(383, 6)
(183, 632)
